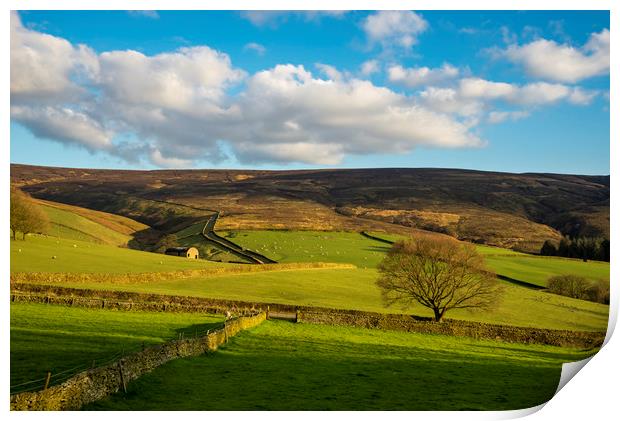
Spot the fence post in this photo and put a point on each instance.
(267, 316)
(120, 368)
(296, 315)
(47, 380)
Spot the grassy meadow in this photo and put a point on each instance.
(311, 367)
(72, 226)
(292, 366)
(352, 247)
(58, 338)
(312, 246)
(35, 254)
(345, 288)
(355, 289)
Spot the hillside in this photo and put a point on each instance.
(72, 222)
(517, 211)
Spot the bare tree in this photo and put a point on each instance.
(25, 215)
(441, 274)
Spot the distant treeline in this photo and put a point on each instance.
(587, 248)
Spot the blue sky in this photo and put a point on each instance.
(501, 91)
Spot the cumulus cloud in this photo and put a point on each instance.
(416, 76)
(64, 125)
(369, 67)
(256, 47)
(538, 93)
(330, 71)
(449, 100)
(400, 28)
(45, 68)
(191, 79)
(304, 152)
(496, 117)
(288, 106)
(168, 162)
(193, 104)
(562, 62)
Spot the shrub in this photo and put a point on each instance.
(579, 287)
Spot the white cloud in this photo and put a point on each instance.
(416, 76)
(496, 117)
(47, 68)
(400, 28)
(192, 79)
(563, 63)
(538, 93)
(330, 71)
(287, 106)
(64, 125)
(369, 67)
(256, 47)
(151, 14)
(481, 88)
(168, 162)
(448, 100)
(274, 18)
(581, 96)
(180, 108)
(304, 152)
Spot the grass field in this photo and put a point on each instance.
(111, 221)
(72, 226)
(312, 246)
(337, 288)
(58, 338)
(286, 366)
(355, 289)
(35, 255)
(537, 269)
(351, 247)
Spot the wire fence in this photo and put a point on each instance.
(53, 378)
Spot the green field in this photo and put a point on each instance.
(312, 246)
(35, 255)
(337, 288)
(65, 224)
(58, 338)
(286, 366)
(537, 269)
(355, 289)
(351, 247)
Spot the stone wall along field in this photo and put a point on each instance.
(319, 315)
(95, 384)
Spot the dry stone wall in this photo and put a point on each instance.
(317, 315)
(92, 385)
(407, 323)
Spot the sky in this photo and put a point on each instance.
(498, 91)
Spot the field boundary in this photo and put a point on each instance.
(95, 384)
(119, 300)
(148, 277)
(208, 232)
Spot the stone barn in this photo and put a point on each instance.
(189, 252)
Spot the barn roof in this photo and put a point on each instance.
(178, 249)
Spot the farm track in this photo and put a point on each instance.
(208, 232)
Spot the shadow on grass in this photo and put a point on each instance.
(267, 372)
(198, 329)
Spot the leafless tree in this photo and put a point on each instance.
(441, 274)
